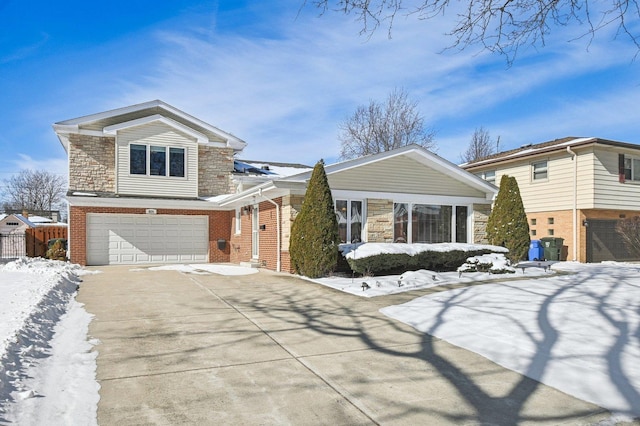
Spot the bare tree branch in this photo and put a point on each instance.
(480, 146)
(501, 26)
(381, 127)
(34, 190)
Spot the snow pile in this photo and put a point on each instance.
(353, 251)
(578, 333)
(35, 295)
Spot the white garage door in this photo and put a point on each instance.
(138, 238)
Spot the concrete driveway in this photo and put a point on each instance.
(269, 349)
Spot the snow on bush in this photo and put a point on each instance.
(494, 263)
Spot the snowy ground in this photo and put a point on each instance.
(575, 327)
(47, 372)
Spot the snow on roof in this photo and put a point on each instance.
(39, 219)
(269, 168)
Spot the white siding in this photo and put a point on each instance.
(555, 192)
(609, 193)
(157, 134)
(400, 175)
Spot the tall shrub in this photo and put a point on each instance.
(314, 233)
(507, 225)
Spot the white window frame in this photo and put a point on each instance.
(634, 168)
(486, 175)
(167, 170)
(535, 171)
(348, 218)
(454, 226)
(238, 226)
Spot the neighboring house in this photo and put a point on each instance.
(151, 184)
(12, 235)
(573, 188)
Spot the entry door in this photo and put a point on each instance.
(255, 233)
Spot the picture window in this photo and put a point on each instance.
(151, 160)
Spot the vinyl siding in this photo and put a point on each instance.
(157, 134)
(400, 175)
(609, 193)
(556, 192)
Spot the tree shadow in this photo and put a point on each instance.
(295, 305)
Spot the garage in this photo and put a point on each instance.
(146, 238)
(604, 243)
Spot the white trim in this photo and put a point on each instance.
(71, 126)
(115, 128)
(404, 197)
(150, 203)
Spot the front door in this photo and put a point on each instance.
(255, 233)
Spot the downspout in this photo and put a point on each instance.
(278, 243)
(575, 202)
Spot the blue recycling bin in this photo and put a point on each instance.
(536, 250)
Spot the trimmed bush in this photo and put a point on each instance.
(314, 232)
(385, 264)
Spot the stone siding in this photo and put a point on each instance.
(379, 221)
(480, 216)
(291, 206)
(92, 163)
(215, 166)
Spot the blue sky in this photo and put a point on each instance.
(281, 78)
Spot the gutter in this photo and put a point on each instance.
(575, 202)
(278, 242)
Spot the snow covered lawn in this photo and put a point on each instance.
(47, 372)
(579, 333)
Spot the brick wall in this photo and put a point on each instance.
(91, 163)
(219, 228)
(379, 221)
(556, 224)
(240, 244)
(215, 166)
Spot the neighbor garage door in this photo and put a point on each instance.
(141, 238)
(604, 242)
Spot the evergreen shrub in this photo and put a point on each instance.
(314, 233)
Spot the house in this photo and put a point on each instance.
(12, 235)
(149, 183)
(573, 188)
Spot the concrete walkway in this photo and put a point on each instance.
(269, 349)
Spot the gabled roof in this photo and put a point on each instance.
(109, 122)
(276, 187)
(543, 148)
(415, 152)
(18, 217)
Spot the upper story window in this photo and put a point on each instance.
(631, 168)
(151, 160)
(539, 170)
(488, 175)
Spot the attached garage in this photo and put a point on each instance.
(146, 238)
(604, 242)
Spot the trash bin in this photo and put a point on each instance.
(552, 247)
(536, 251)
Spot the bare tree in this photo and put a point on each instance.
(499, 26)
(36, 190)
(379, 127)
(480, 146)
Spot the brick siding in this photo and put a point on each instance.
(219, 228)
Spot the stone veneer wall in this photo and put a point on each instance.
(291, 205)
(215, 167)
(480, 216)
(92, 163)
(379, 221)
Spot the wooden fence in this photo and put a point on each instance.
(37, 239)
